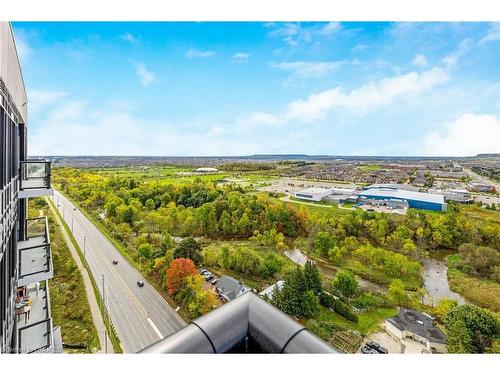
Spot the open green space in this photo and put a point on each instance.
(69, 305)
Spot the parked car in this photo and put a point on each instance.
(214, 281)
(115, 261)
(367, 350)
(382, 350)
(373, 345)
(209, 277)
(140, 283)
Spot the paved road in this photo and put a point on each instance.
(140, 315)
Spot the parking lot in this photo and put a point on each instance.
(395, 346)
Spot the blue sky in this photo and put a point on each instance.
(248, 88)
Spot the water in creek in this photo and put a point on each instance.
(436, 282)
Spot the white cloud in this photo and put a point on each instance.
(493, 34)
(331, 28)
(468, 135)
(240, 57)
(129, 38)
(38, 99)
(308, 69)
(24, 50)
(146, 76)
(195, 53)
(359, 47)
(295, 34)
(368, 97)
(420, 60)
(464, 47)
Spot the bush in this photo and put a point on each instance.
(345, 310)
(372, 299)
(327, 300)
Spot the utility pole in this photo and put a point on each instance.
(84, 247)
(71, 225)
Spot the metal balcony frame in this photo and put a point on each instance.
(47, 320)
(23, 173)
(232, 325)
(46, 245)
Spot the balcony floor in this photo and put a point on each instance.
(36, 336)
(35, 262)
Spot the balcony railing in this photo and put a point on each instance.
(35, 329)
(34, 178)
(248, 324)
(35, 262)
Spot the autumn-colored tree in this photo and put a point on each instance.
(177, 273)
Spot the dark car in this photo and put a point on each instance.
(140, 283)
(214, 281)
(74, 208)
(382, 350)
(115, 261)
(373, 345)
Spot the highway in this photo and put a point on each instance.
(141, 316)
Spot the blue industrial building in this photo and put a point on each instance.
(414, 199)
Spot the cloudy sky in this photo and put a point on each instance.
(253, 88)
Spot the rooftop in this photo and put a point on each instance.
(419, 323)
(315, 190)
(394, 186)
(230, 288)
(404, 194)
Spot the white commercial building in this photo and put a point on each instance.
(315, 194)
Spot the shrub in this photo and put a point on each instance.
(343, 309)
(327, 300)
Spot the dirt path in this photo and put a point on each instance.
(94, 308)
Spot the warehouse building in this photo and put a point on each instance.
(414, 199)
(314, 194)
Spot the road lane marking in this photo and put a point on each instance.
(135, 301)
(155, 328)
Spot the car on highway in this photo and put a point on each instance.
(115, 261)
(74, 208)
(140, 283)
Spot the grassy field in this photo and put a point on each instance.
(70, 308)
(482, 292)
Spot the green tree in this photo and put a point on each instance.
(459, 339)
(397, 293)
(145, 250)
(443, 308)
(313, 278)
(310, 304)
(345, 283)
(189, 248)
(272, 265)
(323, 242)
(480, 324)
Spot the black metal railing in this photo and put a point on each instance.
(34, 174)
(248, 324)
(37, 237)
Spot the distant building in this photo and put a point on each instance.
(458, 195)
(414, 199)
(482, 188)
(417, 326)
(228, 288)
(313, 194)
(269, 291)
(393, 186)
(206, 170)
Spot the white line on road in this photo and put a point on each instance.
(155, 328)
